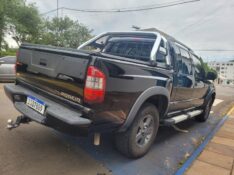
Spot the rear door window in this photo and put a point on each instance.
(199, 71)
(186, 66)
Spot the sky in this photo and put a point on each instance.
(202, 25)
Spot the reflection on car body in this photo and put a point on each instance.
(7, 68)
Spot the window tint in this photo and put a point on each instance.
(8, 60)
(199, 71)
(178, 58)
(133, 48)
(186, 67)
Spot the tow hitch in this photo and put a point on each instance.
(20, 119)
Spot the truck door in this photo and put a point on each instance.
(183, 80)
(200, 87)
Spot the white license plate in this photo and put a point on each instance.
(36, 104)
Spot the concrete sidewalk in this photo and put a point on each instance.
(218, 156)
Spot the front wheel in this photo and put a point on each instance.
(136, 141)
(206, 112)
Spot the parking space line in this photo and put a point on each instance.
(217, 101)
(200, 148)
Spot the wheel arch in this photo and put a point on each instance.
(211, 94)
(158, 96)
(159, 101)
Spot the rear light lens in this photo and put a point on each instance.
(95, 85)
(16, 65)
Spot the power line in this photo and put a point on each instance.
(199, 21)
(54, 10)
(214, 50)
(131, 9)
(151, 7)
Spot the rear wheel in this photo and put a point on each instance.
(206, 112)
(136, 141)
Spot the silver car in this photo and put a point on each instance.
(7, 68)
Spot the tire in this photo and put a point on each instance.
(137, 140)
(206, 112)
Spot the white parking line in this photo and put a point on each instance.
(217, 101)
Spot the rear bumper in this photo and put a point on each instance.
(57, 116)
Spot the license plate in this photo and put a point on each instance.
(36, 104)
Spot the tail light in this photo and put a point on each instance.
(16, 65)
(95, 85)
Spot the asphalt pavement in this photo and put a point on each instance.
(35, 149)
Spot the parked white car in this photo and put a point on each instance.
(7, 68)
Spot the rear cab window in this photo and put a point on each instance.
(130, 47)
(144, 48)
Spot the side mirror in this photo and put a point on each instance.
(163, 51)
(211, 75)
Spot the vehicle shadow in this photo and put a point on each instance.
(170, 149)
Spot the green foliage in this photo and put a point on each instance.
(208, 69)
(19, 20)
(9, 52)
(23, 22)
(2, 21)
(63, 32)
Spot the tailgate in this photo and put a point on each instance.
(56, 70)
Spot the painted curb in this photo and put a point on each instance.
(230, 111)
(201, 147)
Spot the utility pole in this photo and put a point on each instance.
(57, 34)
(57, 8)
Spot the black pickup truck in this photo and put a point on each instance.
(127, 83)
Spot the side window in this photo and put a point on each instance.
(186, 62)
(199, 71)
(178, 59)
(160, 58)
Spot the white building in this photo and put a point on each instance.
(225, 71)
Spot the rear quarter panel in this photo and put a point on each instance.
(125, 82)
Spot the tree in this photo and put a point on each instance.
(64, 32)
(25, 21)
(2, 21)
(18, 19)
(208, 69)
